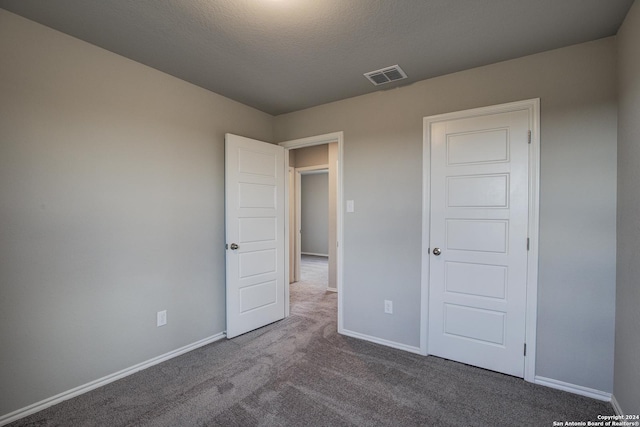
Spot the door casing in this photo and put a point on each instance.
(532, 106)
(294, 273)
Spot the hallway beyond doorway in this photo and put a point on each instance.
(314, 269)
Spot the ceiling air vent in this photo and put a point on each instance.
(386, 75)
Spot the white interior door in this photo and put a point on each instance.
(255, 233)
(478, 240)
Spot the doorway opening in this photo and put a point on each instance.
(313, 201)
(316, 158)
(314, 224)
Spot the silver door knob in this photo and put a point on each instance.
(234, 246)
(437, 251)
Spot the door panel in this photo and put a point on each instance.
(485, 326)
(481, 280)
(257, 229)
(480, 191)
(479, 222)
(254, 205)
(258, 296)
(475, 147)
(477, 235)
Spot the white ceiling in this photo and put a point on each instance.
(285, 55)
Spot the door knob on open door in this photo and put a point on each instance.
(234, 246)
(437, 251)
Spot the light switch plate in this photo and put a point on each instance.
(161, 318)
(350, 206)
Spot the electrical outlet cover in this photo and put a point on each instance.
(388, 306)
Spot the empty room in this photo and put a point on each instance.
(476, 254)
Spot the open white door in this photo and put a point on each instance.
(255, 233)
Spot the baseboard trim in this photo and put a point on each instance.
(332, 289)
(616, 406)
(380, 341)
(314, 254)
(573, 388)
(54, 400)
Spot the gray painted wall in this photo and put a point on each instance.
(627, 360)
(383, 174)
(111, 208)
(311, 156)
(314, 201)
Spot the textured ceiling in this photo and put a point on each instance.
(285, 55)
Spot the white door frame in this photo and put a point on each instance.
(298, 211)
(294, 274)
(308, 142)
(532, 106)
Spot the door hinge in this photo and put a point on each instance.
(529, 137)
(525, 349)
(527, 243)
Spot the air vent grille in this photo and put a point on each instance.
(385, 75)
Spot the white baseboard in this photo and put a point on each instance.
(380, 341)
(572, 388)
(313, 254)
(616, 406)
(332, 289)
(54, 400)
(547, 382)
